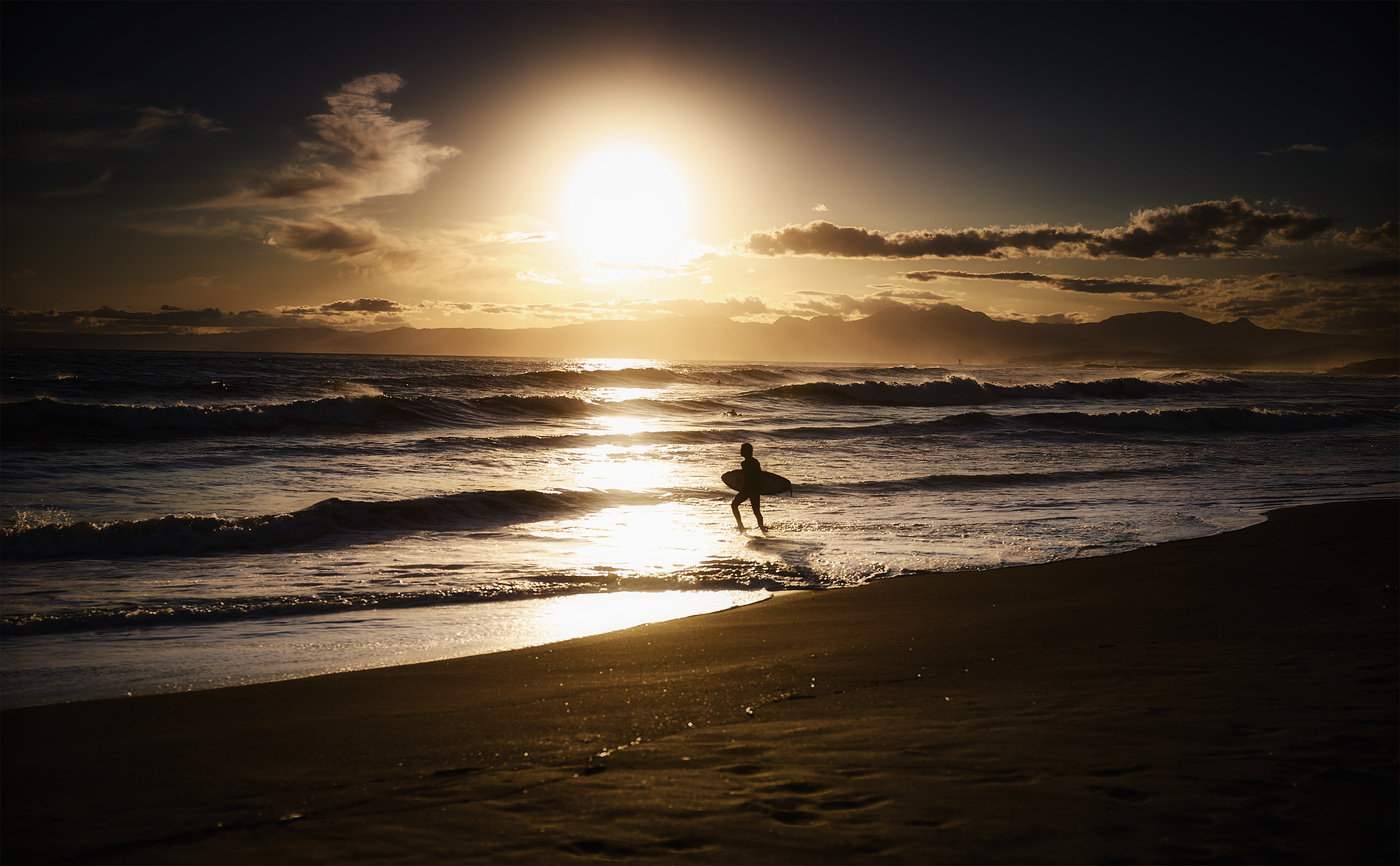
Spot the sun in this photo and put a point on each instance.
(626, 204)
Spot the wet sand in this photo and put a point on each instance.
(1227, 699)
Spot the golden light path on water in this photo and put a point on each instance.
(630, 540)
(619, 547)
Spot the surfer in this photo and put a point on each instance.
(749, 490)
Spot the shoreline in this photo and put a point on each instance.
(1231, 697)
(274, 649)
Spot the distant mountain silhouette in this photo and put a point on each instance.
(943, 334)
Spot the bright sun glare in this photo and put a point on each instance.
(626, 204)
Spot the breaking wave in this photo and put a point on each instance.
(193, 535)
(44, 417)
(963, 391)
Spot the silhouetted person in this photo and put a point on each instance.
(749, 490)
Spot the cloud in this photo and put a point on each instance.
(168, 319)
(1136, 287)
(171, 319)
(363, 305)
(91, 188)
(613, 309)
(131, 133)
(378, 313)
(855, 306)
(1362, 300)
(205, 228)
(359, 152)
(322, 235)
(422, 261)
(743, 308)
(1295, 148)
(532, 277)
(1056, 319)
(819, 207)
(1201, 230)
(538, 237)
(1385, 239)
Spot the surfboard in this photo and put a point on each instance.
(769, 484)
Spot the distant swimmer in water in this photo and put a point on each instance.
(749, 490)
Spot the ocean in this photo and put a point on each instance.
(176, 521)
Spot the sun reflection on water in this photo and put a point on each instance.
(595, 613)
(621, 395)
(631, 542)
(613, 467)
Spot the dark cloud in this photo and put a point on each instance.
(821, 238)
(1202, 230)
(323, 235)
(1135, 287)
(363, 305)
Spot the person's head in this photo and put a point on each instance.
(746, 449)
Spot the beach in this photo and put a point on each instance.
(1223, 699)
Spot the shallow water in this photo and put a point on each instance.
(215, 496)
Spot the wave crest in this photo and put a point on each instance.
(964, 391)
(192, 534)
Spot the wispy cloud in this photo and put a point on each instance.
(426, 261)
(532, 277)
(359, 152)
(93, 187)
(536, 237)
(1214, 228)
(854, 306)
(131, 129)
(1295, 148)
(202, 227)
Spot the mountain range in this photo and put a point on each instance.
(943, 334)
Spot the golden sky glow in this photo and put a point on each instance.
(509, 165)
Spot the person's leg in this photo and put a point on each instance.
(753, 500)
(734, 507)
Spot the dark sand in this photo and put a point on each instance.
(1227, 699)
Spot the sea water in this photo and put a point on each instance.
(190, 520)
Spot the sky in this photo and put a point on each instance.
(204, 167)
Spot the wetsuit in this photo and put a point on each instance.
(751, 471)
